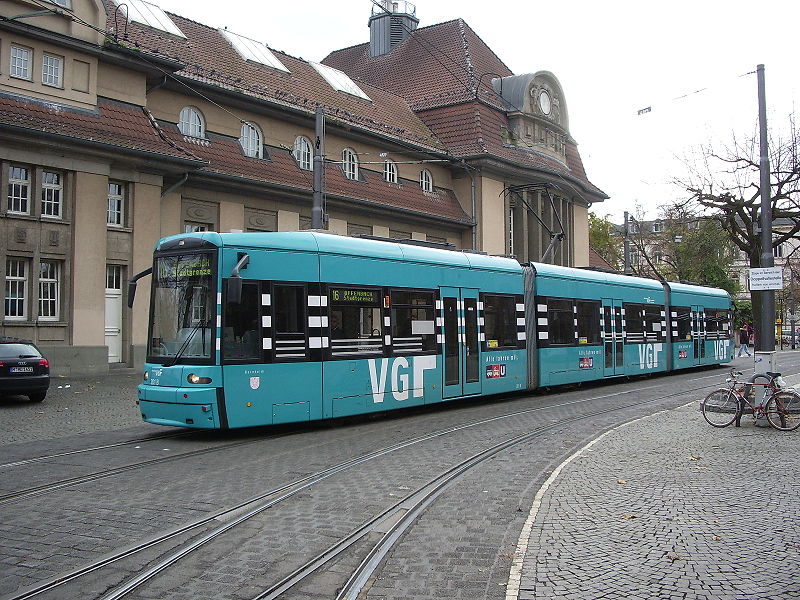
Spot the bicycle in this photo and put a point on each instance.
(779, 405)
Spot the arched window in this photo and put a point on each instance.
(390, 171)
(350, 163)
(250, 140)
(426, 180)
(302, 152)
(191, 122)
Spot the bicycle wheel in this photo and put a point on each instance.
(783, 410)
(721, 407)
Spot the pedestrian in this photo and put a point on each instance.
(744, 339)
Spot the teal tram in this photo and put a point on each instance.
(252, 329)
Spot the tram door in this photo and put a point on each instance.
(460, 350)
(699, 333)
(612, 337)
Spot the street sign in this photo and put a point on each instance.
(766, 278)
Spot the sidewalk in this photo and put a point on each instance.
(668, 507)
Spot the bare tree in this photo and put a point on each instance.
(724, 183)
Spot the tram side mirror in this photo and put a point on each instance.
(233, 287)
(132, 285)
(233, 290)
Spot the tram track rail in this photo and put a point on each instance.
(35, 459)
(412, 504)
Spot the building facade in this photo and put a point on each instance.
(121, 124)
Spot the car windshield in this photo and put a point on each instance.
(182, 308)
(18, 350)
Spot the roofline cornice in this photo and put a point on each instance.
(26, 133)
(348, 201)
(500, 166)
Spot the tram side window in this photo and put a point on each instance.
(289, 304)
(560, 322)
(413, 321)
(588, 321)
(634, 324)
(653, 324)
(717, 324)
(684, 318)
(241, 328)
(500, 321)
(355, 321)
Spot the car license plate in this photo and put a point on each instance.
(20, 369)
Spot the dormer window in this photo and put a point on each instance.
(350, 163)
(657, 227)
(191, 123)
(390, 171)
(302, 152)
(250, 140)
(426, 180)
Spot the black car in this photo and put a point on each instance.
(23, 369)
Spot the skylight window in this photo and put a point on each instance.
(339, 81)
(148, 14)
(253, 50)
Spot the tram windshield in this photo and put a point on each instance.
(182, 314)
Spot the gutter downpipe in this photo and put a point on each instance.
(175, 186)
(473, 200)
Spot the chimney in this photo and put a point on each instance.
(391, 23)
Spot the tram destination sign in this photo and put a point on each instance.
(355, 296)
(766, 278)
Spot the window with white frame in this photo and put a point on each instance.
(426, 180)
(350, 163)
(16, 298)
(19, 190)
(657, 227)
(302, 152)
(49, 292)
(390, 171)
(194, 227)
(52, 70)
(113, 277)
(250, 140)
(52, 192)
(21, 59)
(190, 122)
(777, 251)
(115, 213)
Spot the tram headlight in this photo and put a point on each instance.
(146, 376)
(192, 378)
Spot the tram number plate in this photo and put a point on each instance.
(20, 370)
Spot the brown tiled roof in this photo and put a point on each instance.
(435, 66)
(595, 260)
(437, 69)
(472, 129)
(211, 59)
(224, 156)
(114, 124)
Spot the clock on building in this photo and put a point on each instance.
(545, 104)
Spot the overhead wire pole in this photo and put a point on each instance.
(317, 211)
(766, 338)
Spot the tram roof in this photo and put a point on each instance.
(573, 273)
(331, 243)
(625, 280)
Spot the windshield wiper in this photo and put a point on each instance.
(182, 349)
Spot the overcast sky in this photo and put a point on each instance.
(612, 58)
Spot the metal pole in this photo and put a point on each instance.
(317, 214)
(626, 247)
(765, 341)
